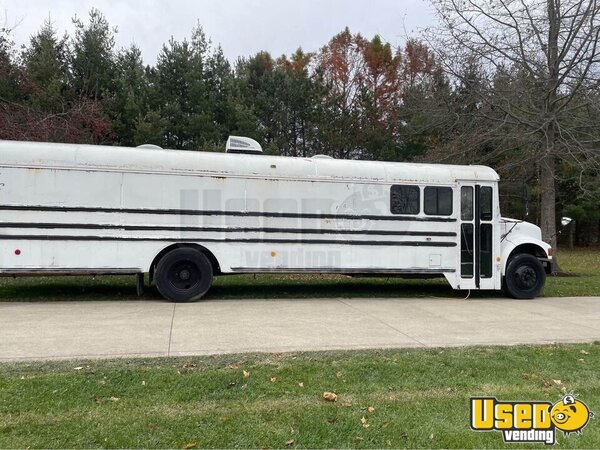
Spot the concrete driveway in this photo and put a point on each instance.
(56, 330)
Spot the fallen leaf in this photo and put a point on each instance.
(114, 399)
(559, 382)
(404, 435)
(431, 436)
(365, 422)
(289, 442)
(581, 360)
(330, 396)
(246, 374)
(385, 424)
(370, 409)
(78, 368)
(547, 383)
(338, 374)
(583, 352)
(273, 379)
(347, 404)
(143, 383)
(301, 384)
(190, 445)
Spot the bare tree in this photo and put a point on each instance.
(539, 62)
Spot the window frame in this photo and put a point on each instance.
(437, 200)
(413, 187)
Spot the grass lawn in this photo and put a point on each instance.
(386, 399)
(583, 264)
(408, 398)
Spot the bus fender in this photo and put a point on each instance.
(532, 246)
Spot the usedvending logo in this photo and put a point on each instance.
(529, 422)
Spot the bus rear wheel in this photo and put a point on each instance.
(525, 276)
(184, 275)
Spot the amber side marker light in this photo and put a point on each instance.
(550, 252)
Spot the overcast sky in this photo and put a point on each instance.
(242, 27)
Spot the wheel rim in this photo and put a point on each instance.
(184, 275)
(526, 277)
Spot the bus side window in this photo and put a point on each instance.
(466, 203)
(485, 199)
(438, 201)
(405, 199)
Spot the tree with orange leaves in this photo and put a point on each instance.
(366, 81)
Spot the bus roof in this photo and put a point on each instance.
(128, 159)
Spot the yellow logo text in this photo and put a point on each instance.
(529, 421)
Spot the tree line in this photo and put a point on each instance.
(482, 87)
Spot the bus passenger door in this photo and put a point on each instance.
(477, 237)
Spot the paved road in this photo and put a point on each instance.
(56, 330)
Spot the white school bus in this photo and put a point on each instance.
(183, 217)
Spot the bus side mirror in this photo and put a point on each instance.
(565, 221)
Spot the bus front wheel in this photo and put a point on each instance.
(184, 275)
(525, 276)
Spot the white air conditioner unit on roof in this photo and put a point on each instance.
(240, 144)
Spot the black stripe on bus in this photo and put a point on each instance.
(235, 270)
(86, 226)
(371, 270)
(34, 237)
(197, 212)
(477, 255)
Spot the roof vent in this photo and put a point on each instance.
(239, 144)
(150, 147)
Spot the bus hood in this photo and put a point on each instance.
(513, 228)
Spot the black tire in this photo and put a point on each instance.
(525, 276)
(184, 275)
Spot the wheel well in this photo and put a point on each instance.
(532, 249)
(213, 260)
